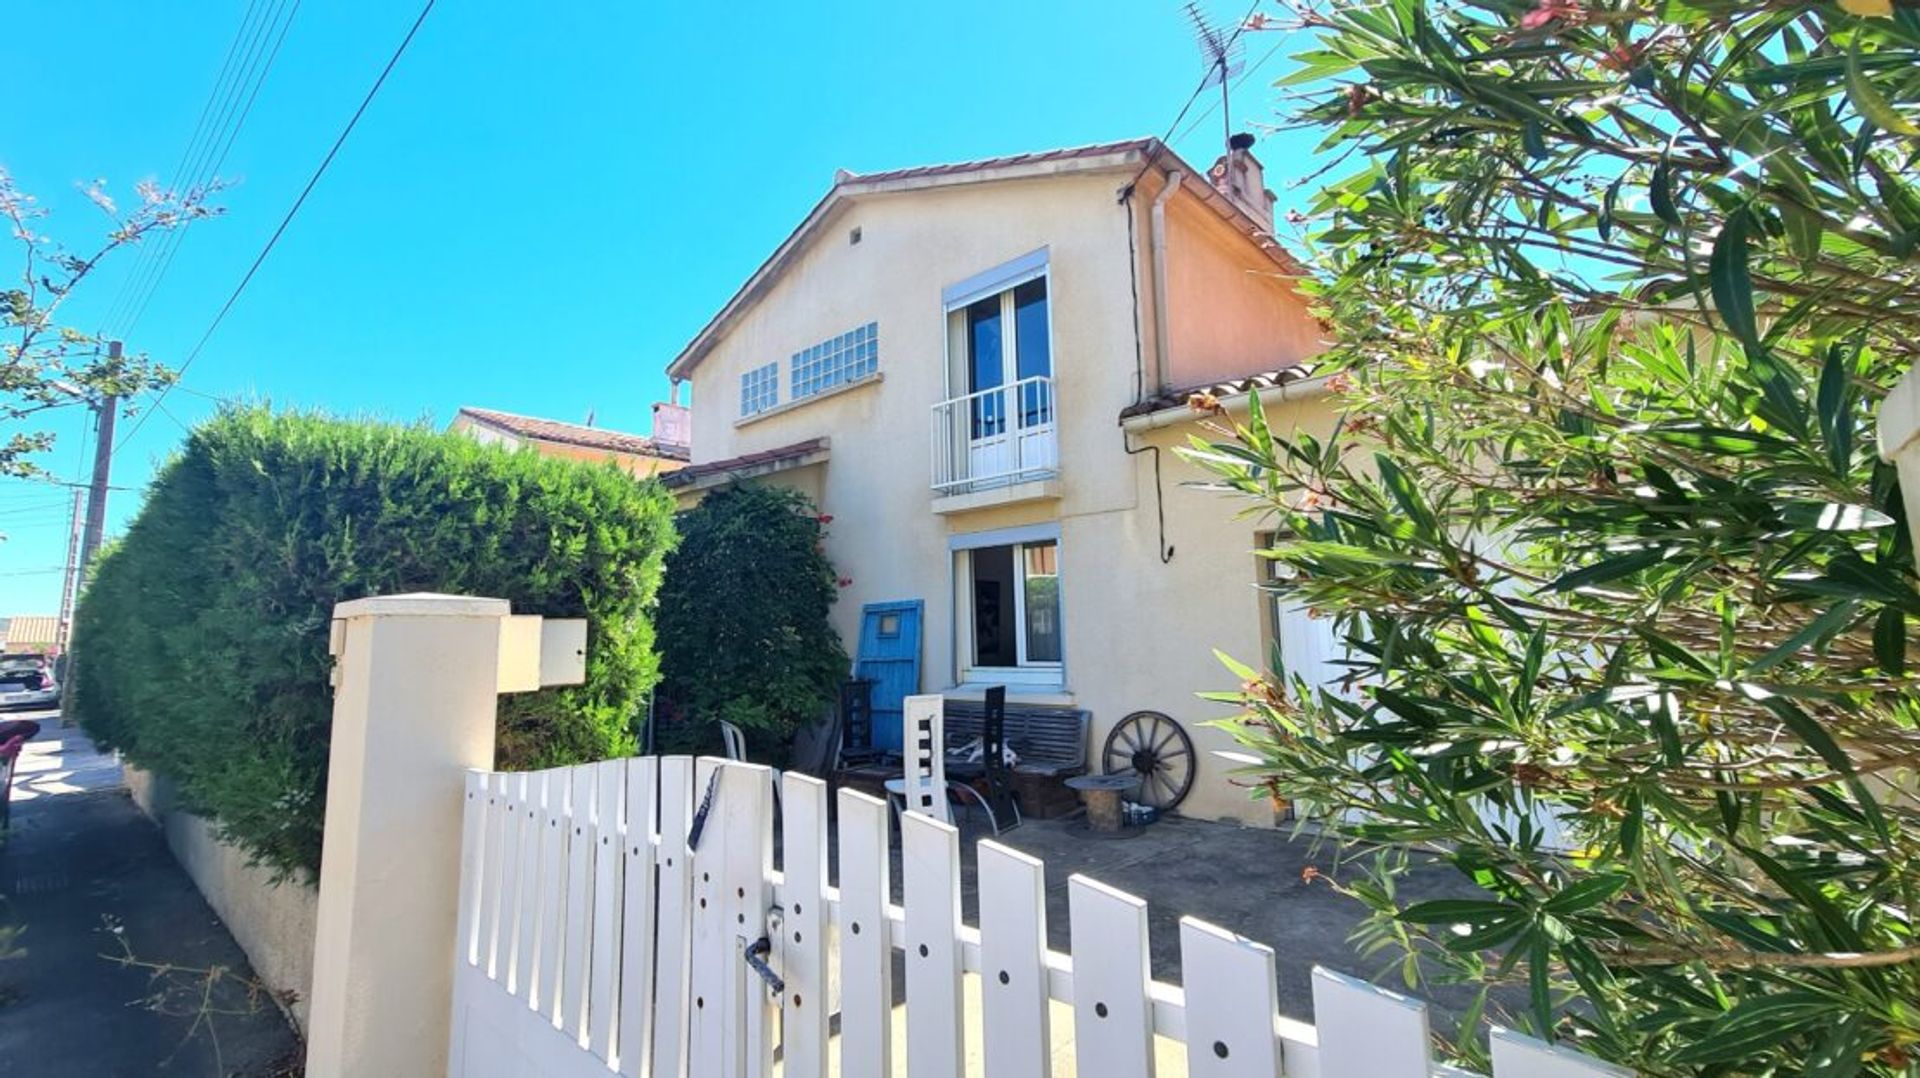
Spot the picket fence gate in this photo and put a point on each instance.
(594, 937)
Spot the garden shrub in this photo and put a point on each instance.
(1626, 595)
(743, 621)
(202, 636)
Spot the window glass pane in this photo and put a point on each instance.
(848, 356)
(1032, 347)
(759, 389)
(993, 582)
(985, 366)
(1042, 601)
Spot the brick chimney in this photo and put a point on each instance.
(1238, 176)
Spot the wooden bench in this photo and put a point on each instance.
(1050, 741)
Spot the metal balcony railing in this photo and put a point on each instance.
(997, 436)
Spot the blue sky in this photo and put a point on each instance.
(536, 212)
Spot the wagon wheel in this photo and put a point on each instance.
(1157, 749)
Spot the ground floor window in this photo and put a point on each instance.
(1010, 607)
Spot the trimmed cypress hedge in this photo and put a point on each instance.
(201, 639)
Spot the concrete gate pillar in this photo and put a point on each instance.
(416, 689)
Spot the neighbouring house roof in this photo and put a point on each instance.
(32, 629)
(713, 473)
(1180, 397)
(1134, 154)
(552, 430)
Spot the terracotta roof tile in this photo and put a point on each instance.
(694, 473)
(1178, 398)
(31, 629)
(552, 430)
(1070, 153)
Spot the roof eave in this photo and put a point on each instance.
(888, 183)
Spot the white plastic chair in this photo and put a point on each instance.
(923, 787)
(924, 759)
(734, 741)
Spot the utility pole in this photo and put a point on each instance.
(105, 413)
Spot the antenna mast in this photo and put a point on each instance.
(1221, 49)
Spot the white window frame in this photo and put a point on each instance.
(1001, 280)
(1028, 675)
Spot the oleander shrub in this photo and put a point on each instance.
(1627, 596)
(744, 635)
(201, 639)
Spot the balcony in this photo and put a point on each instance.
(996, 447)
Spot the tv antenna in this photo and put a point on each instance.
(1222, 51)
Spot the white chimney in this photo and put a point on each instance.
(673, 424)
(1238, 176)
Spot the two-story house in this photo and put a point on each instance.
(980, 370)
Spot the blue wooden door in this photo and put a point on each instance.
(890, 655)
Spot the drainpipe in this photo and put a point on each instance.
(1157, 230)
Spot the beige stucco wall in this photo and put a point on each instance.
(1139, 634)
(273, 923)
(1231, 311)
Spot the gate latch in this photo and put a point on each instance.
(756, 956)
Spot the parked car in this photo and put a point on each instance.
(27, 683)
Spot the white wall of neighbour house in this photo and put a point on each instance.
(1139, 634)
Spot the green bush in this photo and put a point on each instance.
(743, 621)
(1627, 597)
(202, 636)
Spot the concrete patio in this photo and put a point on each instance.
(1255, 882)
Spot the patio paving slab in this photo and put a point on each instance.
(1251, 881)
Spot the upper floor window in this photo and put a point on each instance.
(1001, 347)
(759, 389)
(850, 356)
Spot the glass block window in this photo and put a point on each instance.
(852, 355)
(759, 389)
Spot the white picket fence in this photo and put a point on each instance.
(594, 938)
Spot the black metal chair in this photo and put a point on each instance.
(1001, 804)
(853, 741)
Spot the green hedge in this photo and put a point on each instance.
(201, 639)
(743, 622)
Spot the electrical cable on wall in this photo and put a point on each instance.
(1219, 47)
(1139, 379)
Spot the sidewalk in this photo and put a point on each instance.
(87, 879)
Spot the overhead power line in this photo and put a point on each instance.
(211, 152)
(143, 265)
(312, 181)
(1206, 80)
